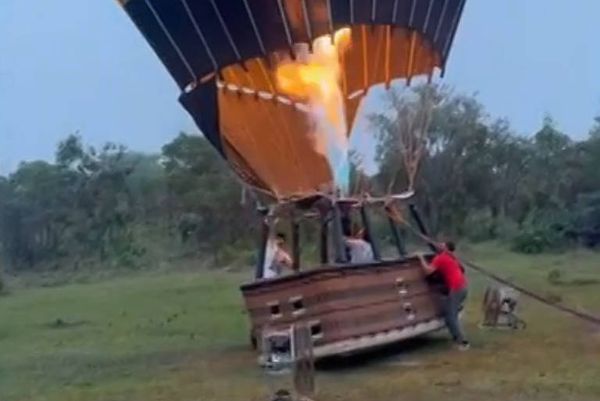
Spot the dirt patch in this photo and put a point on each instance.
(61, 323)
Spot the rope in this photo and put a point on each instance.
(540, 298)
(395, 215)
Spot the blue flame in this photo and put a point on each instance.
(340, 167)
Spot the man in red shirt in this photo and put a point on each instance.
(446, 264)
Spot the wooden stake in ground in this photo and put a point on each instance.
(304, 367)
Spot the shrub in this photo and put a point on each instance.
(482, 226)
(529, 242)
(235, 256)
(2, 283)
(555, 277)
(543, 229)
(506, 230)
(537, 239)
(479, 226)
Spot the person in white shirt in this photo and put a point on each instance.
(277, 259)
(360, 250)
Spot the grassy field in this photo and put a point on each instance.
(183, 337)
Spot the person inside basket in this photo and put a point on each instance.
(359, 249)
(277, 258)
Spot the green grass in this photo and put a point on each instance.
(183, 336)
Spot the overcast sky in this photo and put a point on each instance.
(74, 65)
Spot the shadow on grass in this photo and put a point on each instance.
(401, 351)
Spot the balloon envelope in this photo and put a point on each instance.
(224, 55)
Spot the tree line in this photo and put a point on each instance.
(115, 205)
(477, 179)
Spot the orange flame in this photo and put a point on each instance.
(315, 78)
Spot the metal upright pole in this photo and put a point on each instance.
(296, 251)
(364, 214)
(397, 239)
(338, 235)
(324, 245)
(417, 217)
(262, 244)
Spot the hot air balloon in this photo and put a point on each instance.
(275, 86)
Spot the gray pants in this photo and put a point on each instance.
(451, 308)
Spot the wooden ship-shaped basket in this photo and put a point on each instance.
(348, 307)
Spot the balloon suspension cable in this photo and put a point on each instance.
(396, 216)
(358, 161)
(414, 124)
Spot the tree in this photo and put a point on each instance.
(453, 163)
(104, 204)
(35, 212)
(476, 172)
(206, 194)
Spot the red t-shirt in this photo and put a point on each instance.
(450, 269)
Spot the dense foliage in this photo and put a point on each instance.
(114, 205)
(481, 180)
(478, 179)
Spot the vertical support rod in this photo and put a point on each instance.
(365, 53)
(368, 229)
(338, 236)
(411, 57)
(417, 217)
(295, 245)
(262, 244)
(397, 240)
(388, 50)
(324, 246)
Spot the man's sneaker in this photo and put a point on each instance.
(464, 346)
